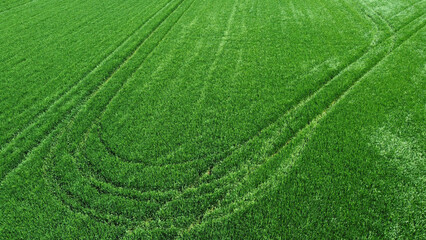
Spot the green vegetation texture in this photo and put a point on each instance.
(212, 119)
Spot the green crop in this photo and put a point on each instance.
(201, 119)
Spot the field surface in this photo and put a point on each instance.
(212, 119)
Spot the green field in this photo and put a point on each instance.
(213, 119)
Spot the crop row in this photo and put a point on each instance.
(75, 97)
(216, 184)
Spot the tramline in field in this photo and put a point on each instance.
(196, 119)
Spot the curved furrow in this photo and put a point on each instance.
(47, 124)
(243, 184)
(205, 117)
(250, 195)
(220, 49)
(36, 111)
(165, 32)
(81, 85)
(406, 8)
(219, 187)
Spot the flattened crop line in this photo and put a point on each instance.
(129, 77)
(312, 124)
(382, 19)
(79, 206)
(316, 119)
(154, 30)
(273, 154)
(31, 113)
(356, 82)
(115, 190)
(74, 87)
(218, 53)
(247, 141)
(66, 198)
(310, 97)
(330, 108)
(93, 212)
(113, 184)
(151, 51)
(406, 8)
(127, 80)
(299, 104)
(212, 68)
(78, 106)
(332, 104)
(410, 16)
